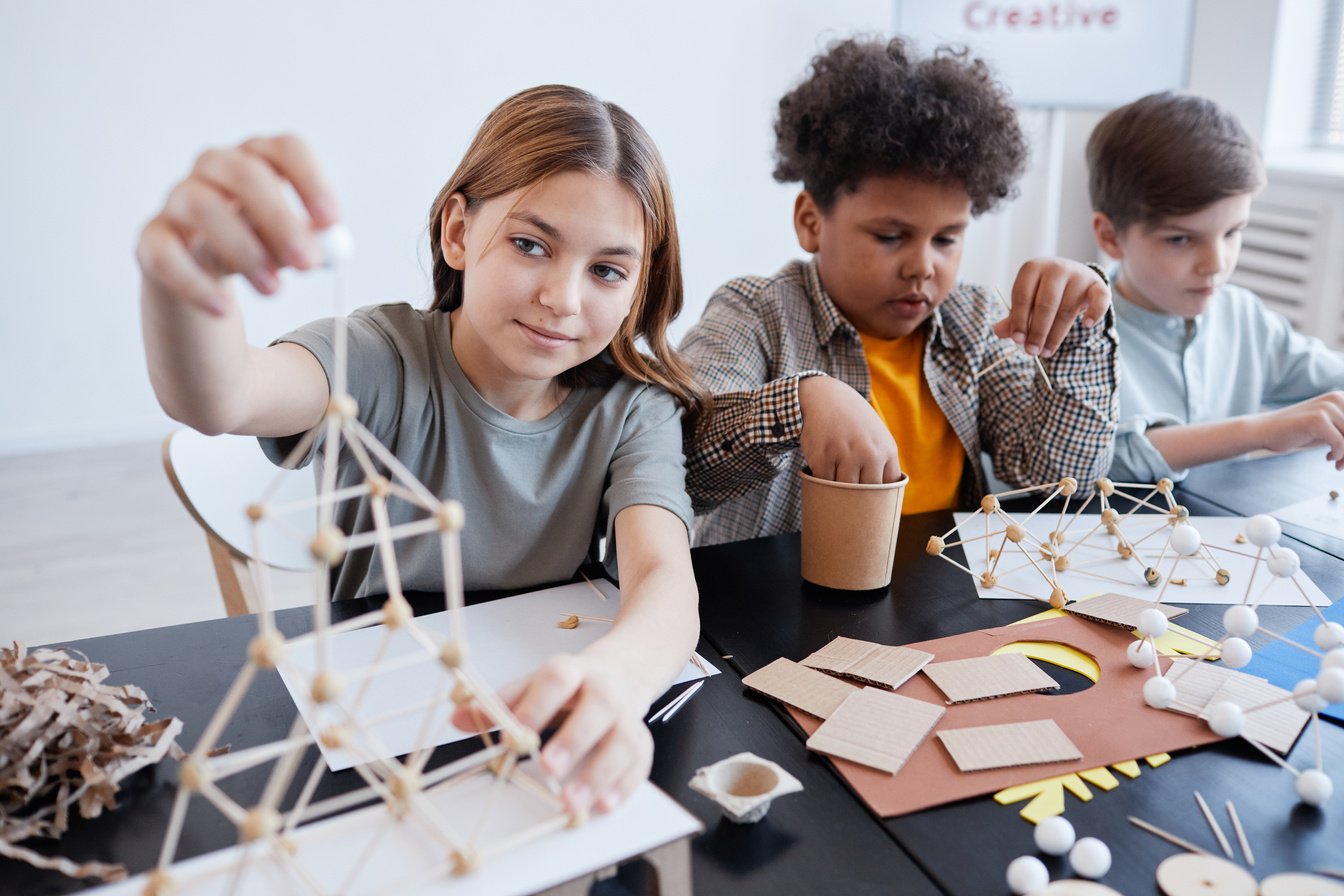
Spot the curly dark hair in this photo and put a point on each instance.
(873, 107)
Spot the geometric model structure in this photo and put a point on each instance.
(1230, 699)
(1062, 549)
(1239, 705)
(405, 789)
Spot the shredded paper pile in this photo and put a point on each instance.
(66, 739)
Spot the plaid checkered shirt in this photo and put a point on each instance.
(760, 335)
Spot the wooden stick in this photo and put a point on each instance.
(393, 533)
(1213, 824)
(1241, 834)
(685, 698)
(1169, 837)
(984, 370)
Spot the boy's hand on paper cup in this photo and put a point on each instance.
(843, 438)
(1049, 294)
(602, 750)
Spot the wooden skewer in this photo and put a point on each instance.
(1213, 824)
(1169, 837)
(1241, 834)
(683, 700)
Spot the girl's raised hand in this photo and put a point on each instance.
(1049, 294)
(231, 216)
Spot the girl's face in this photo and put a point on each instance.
(549, 274)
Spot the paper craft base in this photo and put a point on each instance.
(1108, 722)
(367, 851)
(509, 638)
(1096, 557)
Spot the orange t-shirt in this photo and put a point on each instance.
(930, 452)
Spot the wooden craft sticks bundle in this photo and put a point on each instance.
(67, 739)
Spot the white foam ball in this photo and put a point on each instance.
(1158, 692)
(337, 245)
(1236, 653)
(1334, 659)
(1306, 698)
(1140, 654)
(1054, 835)
(1185, 539)
(1226, 719)
(1263, 530)
(1314, 787)
(1241, 620)
(1152, 623)
(1090, 857)
(1329, 635)
(1283, 562)
(1330, 685)
(1027, 874)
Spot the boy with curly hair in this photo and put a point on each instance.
(873, 344)
(1171, 178)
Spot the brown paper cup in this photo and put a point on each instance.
(849, 532)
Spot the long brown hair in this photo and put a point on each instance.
(552, 129)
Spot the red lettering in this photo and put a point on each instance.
(981, 16)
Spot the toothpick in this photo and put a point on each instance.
(593, 586)
(1039, 366)
(1241, 834)
(683, 700)
(1213, 824)
(1169, 837)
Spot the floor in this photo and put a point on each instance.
(95, 541)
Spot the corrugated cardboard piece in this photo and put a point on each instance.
(875, 664)
(1119, 609)
(985, 677)
(876, 728)
(1199, 685)
(799, 687)
(1108, 722)
(1001, 746)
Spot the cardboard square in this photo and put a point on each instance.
(813, 692)
(875, 664)
(985, 677)
(1002, 746)
(1119, 609)
(876, 728)
(1276, 721)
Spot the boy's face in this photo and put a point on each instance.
(889, 251)
(1176, 265)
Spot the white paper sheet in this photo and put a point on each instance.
(1321, 514)
(367, 851)
(1095, 566)
(508, 638)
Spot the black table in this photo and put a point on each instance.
(1262, 485)
(805, 843)
(755, 608)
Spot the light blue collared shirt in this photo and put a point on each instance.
(1237, 358)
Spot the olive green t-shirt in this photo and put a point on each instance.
(537, 494)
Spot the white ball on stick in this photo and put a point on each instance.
(1263, 530)
(1241, 621)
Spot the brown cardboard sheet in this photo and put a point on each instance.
(799, 687)
(988, 677)
(1016, 743)
(876, 664)
(1119, 609)
(1108, 722)
(876, 728)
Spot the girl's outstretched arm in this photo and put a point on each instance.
(603, 749)
(231, 216)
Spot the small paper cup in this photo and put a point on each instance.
(744, 785)
(849, 532)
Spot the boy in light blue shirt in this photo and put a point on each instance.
(1207, 372)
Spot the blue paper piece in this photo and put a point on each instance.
(1285, 666)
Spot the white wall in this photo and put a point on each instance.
(105, 105)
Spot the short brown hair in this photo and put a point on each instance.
(1169, 154)
(552, 129)
(875, 107)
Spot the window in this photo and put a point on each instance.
(1328, 124)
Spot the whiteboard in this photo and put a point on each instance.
(1079, 53)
